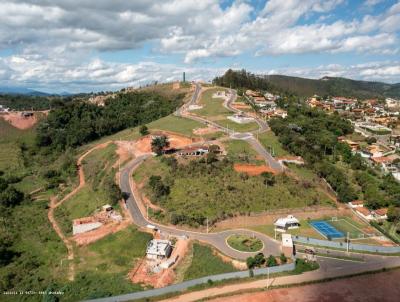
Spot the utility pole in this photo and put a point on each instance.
(207, 224)
(268, 277)
(348, 242)
(147, 211)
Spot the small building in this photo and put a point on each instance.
(158, 249)
(284, 224)
(356, 204)
(193, 151)
(365, 213)
(298, 160)
(380, 214)
(287, 245)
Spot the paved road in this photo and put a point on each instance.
(247, 136)
(216, 239)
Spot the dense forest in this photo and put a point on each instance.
(80, 122)
(26, 102)
(308, 87)
(312, 134)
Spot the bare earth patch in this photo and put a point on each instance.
(385, 289)
(143, 145)
(204, 131)
(253, 169)
(18, 121)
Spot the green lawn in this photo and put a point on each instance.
(115, 253)
(241, 151)
(176, 124)
(270, 141)
(245, 243)
(205, 263)
(237, 127)
(102, 266)
(212, 107)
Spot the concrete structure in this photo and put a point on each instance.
(298, 160)
(83, 225)
(195, 107)
(287, 245)
(356, 204)
(286, 223)
(158, 249)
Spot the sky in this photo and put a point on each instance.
(81, 46)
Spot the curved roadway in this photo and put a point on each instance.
(218, 240)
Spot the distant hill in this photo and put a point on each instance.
(334, 86)
(21, 91)
(307, 87)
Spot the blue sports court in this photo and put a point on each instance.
(326, 229)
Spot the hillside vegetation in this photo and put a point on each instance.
(81, 122)
(332, 86)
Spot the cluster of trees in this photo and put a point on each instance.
(242, 79)
(259, 260)
(27, 102)
(80, 122)
(9, 195)
(158, 186)
(312, 134)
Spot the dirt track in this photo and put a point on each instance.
(383, 287)
(54, 204)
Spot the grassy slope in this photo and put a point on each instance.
(102, 267)
(215, 111)
(270, 140)
(210, 195)
(241, 151)
(10, 138)
(176, 124)
(97, 166)
(205, 263)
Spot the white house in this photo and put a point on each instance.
(365, 213)
(158, 249)
(289, 222)
(356, 204)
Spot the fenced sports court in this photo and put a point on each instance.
(326, 229)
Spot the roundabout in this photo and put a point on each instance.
(244, 243)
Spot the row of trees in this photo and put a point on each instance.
(80, 122)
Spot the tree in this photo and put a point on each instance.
(393, 214)
(144, 130)
(283, 258)
(269, 178)
(250, 262)
(159, 143)
(371, 140)
(11, 197)
(271, 261)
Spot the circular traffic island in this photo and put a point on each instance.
(244, 243)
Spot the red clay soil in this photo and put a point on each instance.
(253, 169)
(241, 106)
(382, 287)
(18, 121)
(143, 145)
